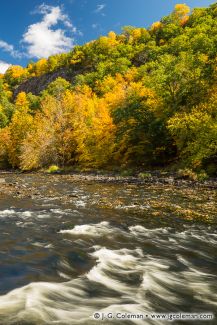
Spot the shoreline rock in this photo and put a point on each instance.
(14, 183)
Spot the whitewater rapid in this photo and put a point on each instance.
(133, 269)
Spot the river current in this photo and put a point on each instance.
(103, 250)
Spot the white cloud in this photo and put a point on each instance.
(42, 39)
(6, 47)
(4, 66)
(99, 8)
(94, 26)
(10, 49)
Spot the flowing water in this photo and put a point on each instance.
(86, 247)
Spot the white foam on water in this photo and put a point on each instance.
(48, 303)
(152, 273)
(122, 280)
(25, 217)
(92, 230)
(64, 276)
(124, 261)
(133, 207)
(142, 231)
(26, 214)
(43, 216)
(20, 223)
(80, 203)
(39, 244)
(60, 211)
(7, 212)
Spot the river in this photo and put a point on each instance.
(70, 249)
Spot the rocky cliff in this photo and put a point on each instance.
(37, 84)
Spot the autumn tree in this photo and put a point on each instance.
(181, 12)
(21, 124)
(195, 133)
(48, 140)
(15, 74)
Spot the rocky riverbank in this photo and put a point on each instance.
(158, 198)
(12, 183)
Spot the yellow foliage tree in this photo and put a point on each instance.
(112, 35)
(41, 67)
(15, 72)
(93, 128)
(4, 145)
(74, 128)
(50, 139)
(22, 102)
(181, 12)
(136, 33)
(155, 26)
(77, 57)
(19, 127)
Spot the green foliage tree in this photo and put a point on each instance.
(195, 134)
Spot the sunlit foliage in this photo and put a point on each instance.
(145, 97)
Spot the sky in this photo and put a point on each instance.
(33, 29)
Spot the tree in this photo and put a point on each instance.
(57, 88)
(41, 67)
(22, 103)
(195, 133)
(3, 118)
(4, 144)
(181, 11)
(18, 129)
(15, 74)
(46, 143)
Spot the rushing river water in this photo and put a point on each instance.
(104, 249)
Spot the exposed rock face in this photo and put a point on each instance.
(37, 84)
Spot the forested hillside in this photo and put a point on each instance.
(144, 98)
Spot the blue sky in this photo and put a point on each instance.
(32, 29)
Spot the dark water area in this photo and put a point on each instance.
(71, 249)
